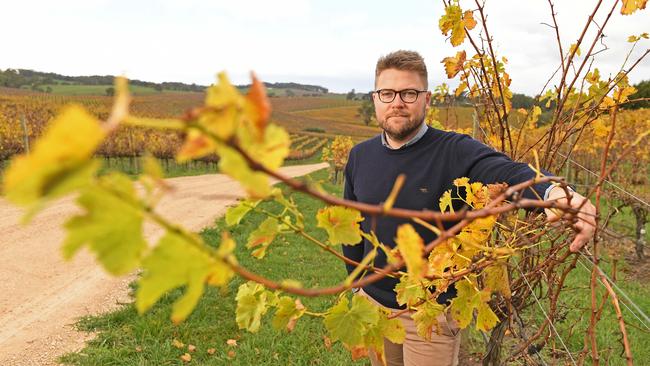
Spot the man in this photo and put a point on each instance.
(431, 160)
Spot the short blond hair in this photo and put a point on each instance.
(404, 61)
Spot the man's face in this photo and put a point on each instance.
(400, 120)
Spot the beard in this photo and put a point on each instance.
(399, 125)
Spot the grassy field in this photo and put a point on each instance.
(124, 338)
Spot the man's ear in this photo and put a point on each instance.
(428, 98)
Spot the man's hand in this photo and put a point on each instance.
(586, 218)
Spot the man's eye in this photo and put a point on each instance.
(387, 93)
(409, 94)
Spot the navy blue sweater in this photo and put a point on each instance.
(430, 165)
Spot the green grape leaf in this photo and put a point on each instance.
(411, 248)
(392, 329)
(112, 225)
(60, 161)
(252, 303)
(235, 214)
(288, 311)
(341, 224)
(350, 324)
(176, 262)
(425, 318)
(409, 291)
(262, 237)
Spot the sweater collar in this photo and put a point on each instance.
(418, 136)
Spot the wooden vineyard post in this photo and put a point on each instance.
(23, 124)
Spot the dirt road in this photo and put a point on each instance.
(41, 295)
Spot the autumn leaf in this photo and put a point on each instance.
(252, 304)
(456, 21)
(60, 161)
(468, 299)
(391, 329)
(453, 65)
(196, 145)
(186, 357)
(288, 311)
(225, 104)
(409, 291)
(262, 237)
(496, 279)
(630, 6)
(445, 202)
(111, 225)
(341, 224)
(260, 104)
(411, 247)
(425, 318)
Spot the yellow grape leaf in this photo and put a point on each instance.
(486, 319)
(60, 161)
(175, 262)
(460, 89)
(341, 224)
(425, 318)
(225, 103)
(350, 324)
(575, 49)
(468, 299)
(453, 65)
(235, 214)
(195, 146)
(411, 247)
(409, 291)
(630, 6)
(252, 303)
(463, 305)
(260, 105)
(289, 310)
(445, 202)
(262, 237)
(232, 163)
(269, 151)
(456, 21)
(111, 225)
(496, 279)
(440, 259)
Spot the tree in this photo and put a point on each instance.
(110, 91)
(351, 95)
(367, 111)
(642, 92)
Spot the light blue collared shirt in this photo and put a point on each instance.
(418, 136)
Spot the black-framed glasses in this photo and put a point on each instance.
(407, 95)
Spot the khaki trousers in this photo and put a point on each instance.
(441, 350)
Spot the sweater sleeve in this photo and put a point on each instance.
(489, 166)
(354, 252)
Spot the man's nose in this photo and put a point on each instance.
(397, 102)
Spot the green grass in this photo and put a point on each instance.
(124, 338)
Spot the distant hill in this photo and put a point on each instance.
(49, 82)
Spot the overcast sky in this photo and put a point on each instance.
(332, 43)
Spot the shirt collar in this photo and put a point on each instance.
(418, 136)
